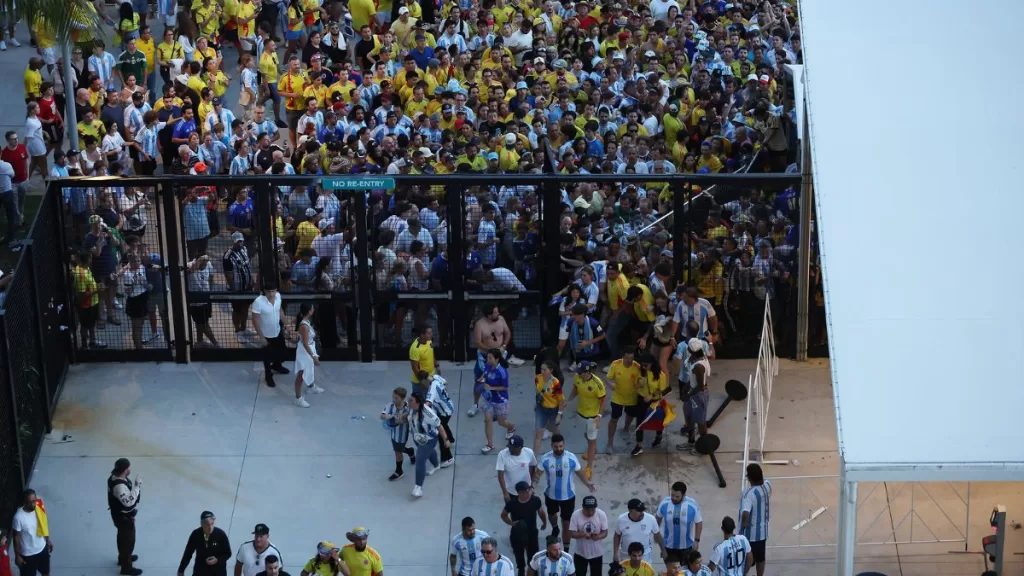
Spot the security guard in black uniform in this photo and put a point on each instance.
(123, 495)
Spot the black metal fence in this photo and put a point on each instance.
(35, 350)
(377, 264)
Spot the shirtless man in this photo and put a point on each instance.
(490, 331)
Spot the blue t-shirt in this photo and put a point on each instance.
(439, 272)
(497, 376)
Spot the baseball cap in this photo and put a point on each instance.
(751, 77)
(261, 529)
(216, 101)
(516, 441)
(636, 504)
(207, 515)
(361, 154)
(597, 60)
(522, 485)
(237, 237)
(589, 502)
(421, 37)
(200, 167)
(618, 56)
(510, 138)
(695, 345)
(426, 152)
(538, 60)
(673, 107)
(492, 156)
(446, 108)
(521, 85)
(584, 366)
(359, 532)
(58, 153)
(403, 10)
(764, 79)
(560, 64)
(310, 212)
(650, 54)
(433, 63)
(323, 224)
(438, 89)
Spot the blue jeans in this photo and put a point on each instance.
(425, 452)
(151, 87)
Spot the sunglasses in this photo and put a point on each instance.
(491, 551)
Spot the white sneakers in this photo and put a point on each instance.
(472, 411)
(515, 361)
(15, 43)
(431, 470)
(546, 435)
(314, 389)
(417, 492)
(301, 402)
(510, 434)
(447, 462)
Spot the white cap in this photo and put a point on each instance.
(538, 60)
(403, 10)
(751, 77)
(695, 345)
(618, 56)
(426, 152)
(510, 138)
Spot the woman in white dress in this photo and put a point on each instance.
(306, 358)
(34, 141)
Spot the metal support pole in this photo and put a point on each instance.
(364, 308)
(803, 278)
(551, 255)
(70, 114)
(174, 267)
(679, 235)
(846, 540)
(459, 317)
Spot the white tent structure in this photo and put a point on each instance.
(919, 182)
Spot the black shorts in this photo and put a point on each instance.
(240, 306)
(562, 508)
(87, 316)
(37, 563)
(678, 553)
(200, 313)
(635, 411)
(136, 307)
(758, 548)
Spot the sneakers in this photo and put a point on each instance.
(151, 337)
(657, 441)
(117, 304)
(3, 45)
(510, 434)
(487, 449)
(97, 344)
(269, 379)
(546, 435)
(301, 402)
(685, 446)
(279, 369)
(637, 450)
(431, 470)
(515, 361)
(314, 389)
(127, 571)
(240, 336)
(15, 43)
(417, 492)
(447, 462)
(395, 476)
(472, 411)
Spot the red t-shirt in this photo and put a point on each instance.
(5, 562)
(48, 110)
(16, 157)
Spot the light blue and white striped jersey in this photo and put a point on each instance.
(133, 117)
(485, 233)
(249, 76)
(466, 551)
(679, 522)
(213, 156)
(543, 565)
(757, 502)
(148, 138)
(454, 40)
(317, 120)
(399, 433)
(438, 398)
(730, 556)
(226, 117)
(701, 311)
(559, 471)
(103, 67)
(239, 165)
(265, 127)
(702, 571)
(500, 567)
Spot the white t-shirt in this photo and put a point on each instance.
(270, 315)
(594, 525)
(26, 524)
(255, 562)
(642, 532)
(516, 468)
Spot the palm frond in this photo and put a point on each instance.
(59, 17)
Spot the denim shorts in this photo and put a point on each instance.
(545, 416)
(497, 409)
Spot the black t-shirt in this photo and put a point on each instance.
(525, 511)
(363, 49)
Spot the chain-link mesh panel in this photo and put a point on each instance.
(10, 476)
(25, 362)
(50, 289)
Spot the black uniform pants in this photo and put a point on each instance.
(524, 551)
(125, 540)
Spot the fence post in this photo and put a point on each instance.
(175, 268)
(551, 245)
(680, 237)
(6, 347)
(457, 270)
(803, 278)
(363, 306)
(37, 310)
(264, 216)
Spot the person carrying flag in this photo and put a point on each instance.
(651, 387)
(32, 544)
